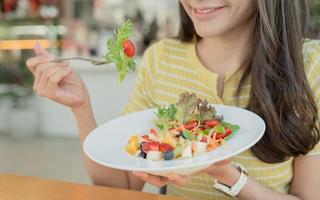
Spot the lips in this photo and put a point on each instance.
(204, 13)
(205, 10)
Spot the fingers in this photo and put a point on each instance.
(178, 179)
(49, 80)
(157, 181)
(44, 71)
(161, 181)
(54, 80)
(33, 62)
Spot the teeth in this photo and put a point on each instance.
(204, 11)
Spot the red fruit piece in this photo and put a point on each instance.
(146, 138)
(153, 146)
(144, 146)
(228, 132)
(191, 125)
(129, 48)
(165, 147)
(204, 139)
(153, 131)
(211, 123)
(220, 136)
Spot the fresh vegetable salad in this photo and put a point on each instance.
(185, 129)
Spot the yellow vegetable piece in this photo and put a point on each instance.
(132, 147)
(134, 139)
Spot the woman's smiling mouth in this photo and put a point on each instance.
(207, 13)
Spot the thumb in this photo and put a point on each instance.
(39, 50)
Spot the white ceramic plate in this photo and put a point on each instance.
(106, 144)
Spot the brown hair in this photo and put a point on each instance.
(280, 92)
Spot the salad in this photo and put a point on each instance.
(121, 50)
(185, 129)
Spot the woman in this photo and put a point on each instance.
(247, 53)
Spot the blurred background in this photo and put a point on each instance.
(39, 137)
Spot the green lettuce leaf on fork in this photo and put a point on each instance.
(116, 52)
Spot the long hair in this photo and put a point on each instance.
(280, 92)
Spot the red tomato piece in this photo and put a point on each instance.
(165, 147)
(129, 48)
(204, 139)
(146, 138)
(228, 132)
(153, 146)
(220, 136)
(191, 125)
(211, 123)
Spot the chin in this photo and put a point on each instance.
(209, 32)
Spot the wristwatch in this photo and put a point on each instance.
(237, 187)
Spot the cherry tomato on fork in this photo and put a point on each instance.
(129, 48)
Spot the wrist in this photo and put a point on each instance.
(82, 108)
(226, 183)
(227, 175)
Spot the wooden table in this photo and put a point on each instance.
(14, 187)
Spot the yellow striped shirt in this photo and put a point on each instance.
(170, 67)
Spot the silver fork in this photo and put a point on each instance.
(93, 61)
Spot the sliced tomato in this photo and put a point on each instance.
(146, 138)
(154, 132)
(191, 125)
(228, 132)
(153, 146)
(204, 139)
(165, 147)
(211, 123)
(220, 136)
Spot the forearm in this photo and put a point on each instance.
(100, 175)
(255, 191)
(85, 120)
(252, 190)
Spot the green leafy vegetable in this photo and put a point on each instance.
(207, 112)
(116, 52)
(165, 115)
(189, 135)
(219, 129)
(187, 107)
(204, 132)
(233, 127)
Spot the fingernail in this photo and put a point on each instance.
(37, 45)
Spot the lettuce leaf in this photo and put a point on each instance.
(187, 107)
(165, 116)
(233, 127)
(207, 112)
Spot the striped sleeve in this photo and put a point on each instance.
(141, 97)
(312, 62)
